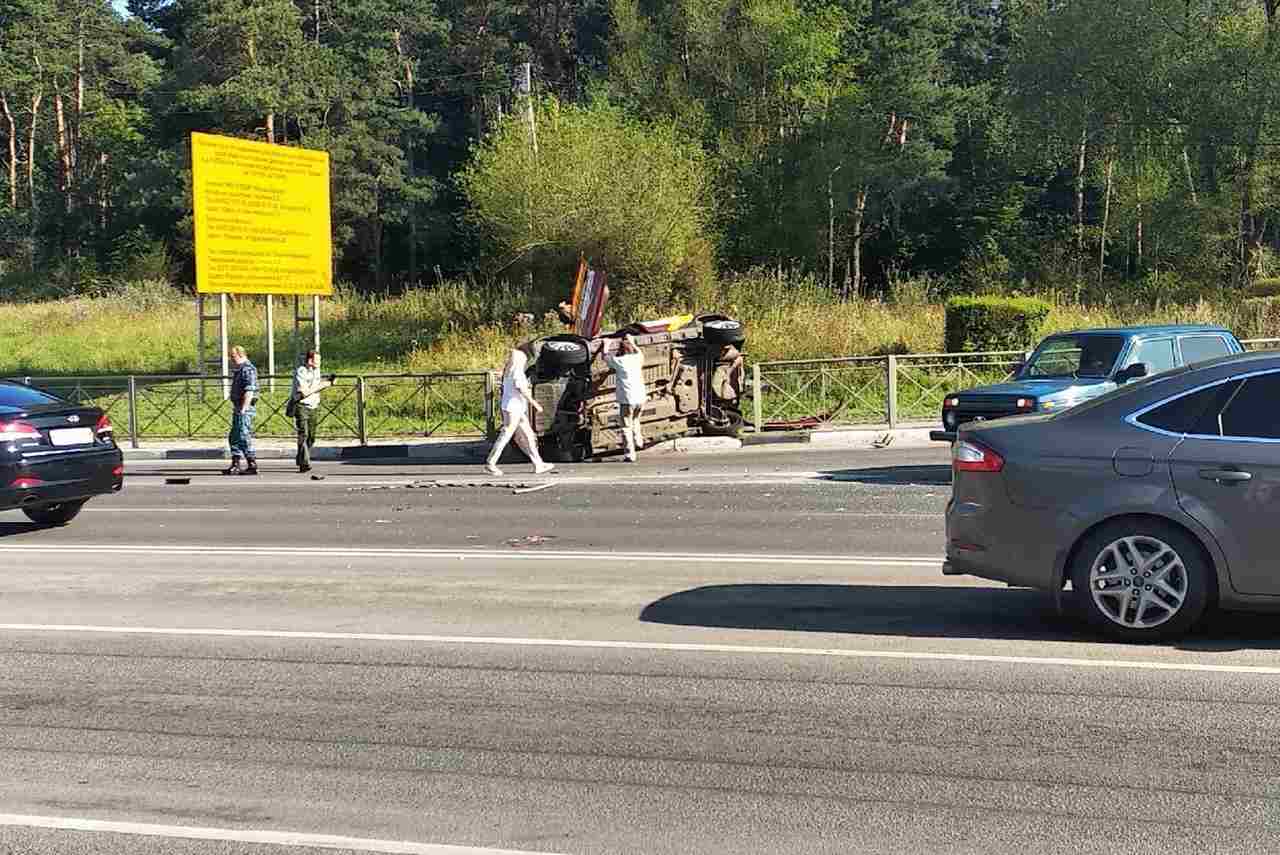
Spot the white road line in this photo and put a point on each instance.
(527, 554)
(669, 647)
(125, 509)
(934, 516)
(271, 838)
(458, 480)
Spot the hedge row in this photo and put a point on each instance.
(993, 323)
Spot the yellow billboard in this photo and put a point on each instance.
(261, 217)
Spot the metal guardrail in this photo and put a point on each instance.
(1261, 343)
(878, 390)
(867, 389)
(795, 394)
(360, 407)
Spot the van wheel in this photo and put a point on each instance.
(723, 332)
(59, 514)
(564, 351)
(733, 428)
(1141, 580)
(568, 448)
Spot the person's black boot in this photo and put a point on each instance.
(233, 469)
(252, 468)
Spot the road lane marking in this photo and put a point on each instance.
(612, 478)
(235, 835)
(655, 646)
(526, 554)
(125, 509)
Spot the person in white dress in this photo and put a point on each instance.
(628, 364)
(517, 398)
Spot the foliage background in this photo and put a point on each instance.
(1097, 152)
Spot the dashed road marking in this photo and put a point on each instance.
(535, 554)
(235, 835)
(655, 646)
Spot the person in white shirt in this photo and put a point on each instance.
(305, 396)
(517, 398)
(628, 364)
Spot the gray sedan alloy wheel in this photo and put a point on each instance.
(1138, 582)
(1142, 580)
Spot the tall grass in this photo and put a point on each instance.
(147, 327)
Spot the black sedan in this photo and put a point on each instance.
(54, 455)
(1152, 503)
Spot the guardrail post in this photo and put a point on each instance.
(490, 386)
(360, 429)
(133, 411)
(757, 397)
(891, 376)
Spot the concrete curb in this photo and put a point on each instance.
(426, 452)
(470, 451)
(882, 438)
(697, 445)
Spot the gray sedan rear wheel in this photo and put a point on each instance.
(1141, 580)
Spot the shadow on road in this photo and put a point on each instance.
(936, 475)
(917, 610)
(10, 529)
(921, 611)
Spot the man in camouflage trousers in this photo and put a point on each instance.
(244, 396)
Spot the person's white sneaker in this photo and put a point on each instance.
(631, 458)
(543, 468)
(491, 469)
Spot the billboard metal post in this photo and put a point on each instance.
(271, 343)
(300, 340)
(224, 357)
(204, 360)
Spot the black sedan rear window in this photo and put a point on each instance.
(13, 396)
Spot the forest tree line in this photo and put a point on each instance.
(989, 144)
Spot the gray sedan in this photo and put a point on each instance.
(1152, 503)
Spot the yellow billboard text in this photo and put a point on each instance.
(261, 217)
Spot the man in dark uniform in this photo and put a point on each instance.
(244, 395)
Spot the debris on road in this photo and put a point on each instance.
(530, 540)
(532, 489)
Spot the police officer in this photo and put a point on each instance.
(244, 395)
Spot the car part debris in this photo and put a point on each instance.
(530, 540)
(533, 489)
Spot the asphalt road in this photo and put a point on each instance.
(739, 654)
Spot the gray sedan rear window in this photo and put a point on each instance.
(1196, 413)
(1252, 412)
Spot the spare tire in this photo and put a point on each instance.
(564, 351)
(722, 332)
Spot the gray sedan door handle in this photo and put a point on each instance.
(1225, 476)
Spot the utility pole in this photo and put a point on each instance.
(524, 92)
(831, 230)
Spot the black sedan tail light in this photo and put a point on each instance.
(18, 431)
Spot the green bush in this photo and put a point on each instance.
(634, 196)
(1262, 314)
(1269, 287)
(993, 323)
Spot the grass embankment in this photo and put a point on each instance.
(147, 328)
